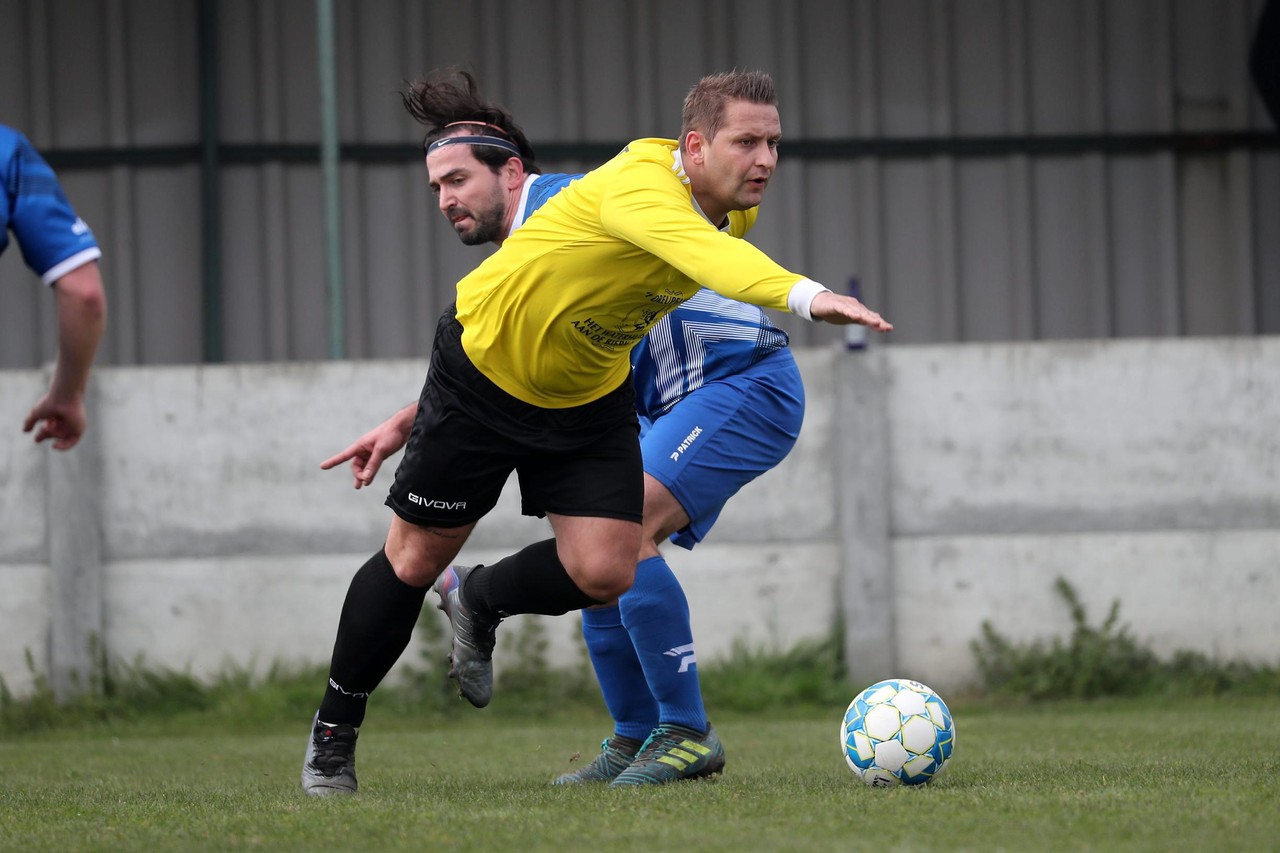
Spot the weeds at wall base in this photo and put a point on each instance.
(1093, 662)
(1106, 660)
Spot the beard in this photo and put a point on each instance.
(488, 222)
(487, 228)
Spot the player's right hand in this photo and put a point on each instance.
(365, 461)
(369, 450)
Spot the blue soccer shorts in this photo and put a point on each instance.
(722, 436)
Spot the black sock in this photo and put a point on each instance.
(375, 627)
(530, 581)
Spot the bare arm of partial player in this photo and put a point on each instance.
(369, 450)
(82, 315)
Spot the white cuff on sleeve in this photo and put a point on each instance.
(74, 262)
(802, 295)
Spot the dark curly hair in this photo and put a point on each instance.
(448, 102)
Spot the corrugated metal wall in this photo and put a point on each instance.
(996, 169)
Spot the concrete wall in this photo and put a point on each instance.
(933, 488)
(1143, 471)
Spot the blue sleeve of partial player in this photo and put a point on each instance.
(544, 187)
(53, 239)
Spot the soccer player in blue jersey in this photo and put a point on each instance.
(57, 246)
(550, 320)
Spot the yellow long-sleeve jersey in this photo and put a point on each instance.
(551, 317)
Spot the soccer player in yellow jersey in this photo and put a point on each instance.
(531, 374)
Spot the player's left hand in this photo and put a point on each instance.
(843, 310)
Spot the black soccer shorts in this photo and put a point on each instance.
(469, 435)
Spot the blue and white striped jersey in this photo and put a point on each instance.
(705, 338)
(54, 241)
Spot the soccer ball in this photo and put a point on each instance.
(897, 731)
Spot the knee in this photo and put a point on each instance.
(418, 555)
(413, 567)
(603, 580)
(416, 574)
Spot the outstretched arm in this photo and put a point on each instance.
(654, 213)
(82, 315)
(369, 450)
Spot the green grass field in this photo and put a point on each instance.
(1140, 774)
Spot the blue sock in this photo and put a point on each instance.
(622, 681)
(656, 615)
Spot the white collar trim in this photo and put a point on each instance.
(518, 219)
(677, 166)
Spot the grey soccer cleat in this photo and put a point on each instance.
(471, 660)
(673, 753)
(330, 764)
(616, 755)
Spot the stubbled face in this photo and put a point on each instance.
(470, 194)
(736, 165)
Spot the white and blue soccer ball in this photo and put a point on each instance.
(897, 732)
